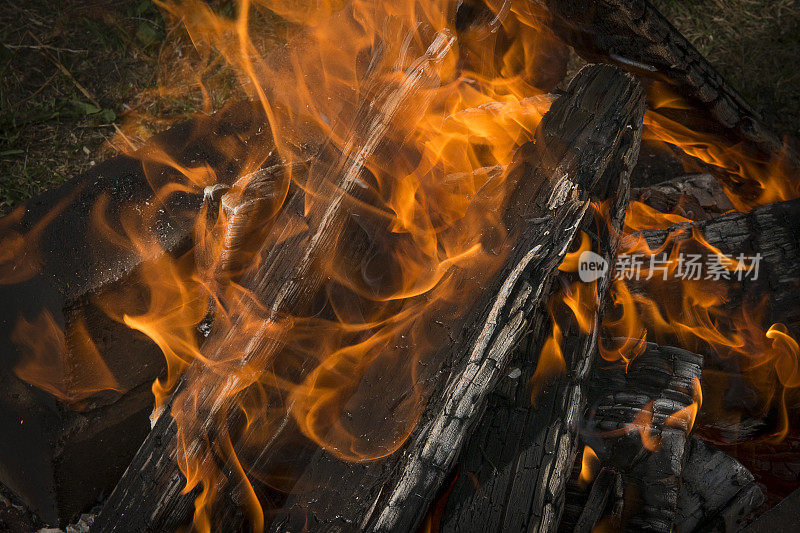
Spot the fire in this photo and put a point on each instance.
(751, 179)
(685, 418)
(589, 466)
(400, 116)
(641, 216)
(406, 117)
(65, 364)
(20, 257)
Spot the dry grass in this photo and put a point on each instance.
(76, 71)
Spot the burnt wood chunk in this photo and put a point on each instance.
(717, 493)
(520, 455)
(782, 517)
(59, 454)
(773, 231)
(633, 430)
(556, 177)
(603, 490)
(696, 197)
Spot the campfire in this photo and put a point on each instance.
(416, 281)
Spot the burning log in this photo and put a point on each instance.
(543, 436)
(771, 234)
(634, 35)
(772, 231)
(522, 451)
(716, 490)
(615, 103)
(583, 148)
(75, 384)
(639, 426)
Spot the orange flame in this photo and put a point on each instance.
(753, 180)
(590, 465)
(684, 418)
(67, 366)
(430, 117)
(425, 116)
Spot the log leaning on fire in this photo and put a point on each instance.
(634, 35)
(521, 454)
(583, 146)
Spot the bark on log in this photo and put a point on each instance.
(717, 493)
(634, 35)
(603, 109)
(521, 455)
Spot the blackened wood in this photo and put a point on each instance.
(631, 429)
(602, 491)
(601, 108)
(773, 231)
(717, 494)
(634, 35)
(579, 513)
(696, 197)
(148, 498)
(782, 517)
(57, 455)
(521, 454)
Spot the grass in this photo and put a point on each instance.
(68, 67)
(755, 44)
(75, 71)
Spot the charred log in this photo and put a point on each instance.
(634, 35)
(557, 176)
(604, 489)
(772, 233)
(521, 454)
(717, 493)
(634, 428)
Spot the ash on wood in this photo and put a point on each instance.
(557, 174)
